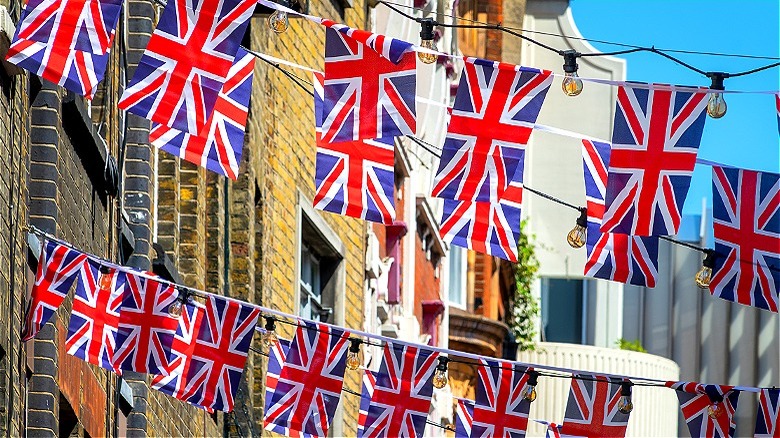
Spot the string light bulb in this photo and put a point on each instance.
(625, 405)
(426, 41)
(105, 278)
(704, 276)
(279, 21)
(572, 84)
(714, 410)
(716, 105)
(578, 234)
(440, 379)
(269, 336)
(529, 390)
(353, 355)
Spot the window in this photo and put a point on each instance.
(320, 268)
(562, 310)
(457, 265)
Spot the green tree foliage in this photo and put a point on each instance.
(524, 306)
(634, 345)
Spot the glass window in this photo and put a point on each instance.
(457, 265)
(311, 292)
(562, 301)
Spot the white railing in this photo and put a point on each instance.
(655, 409)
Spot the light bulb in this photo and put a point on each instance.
(576, 236)
(278, 21)
(714, 410)
(716, 106)
(625, 405)
(572, 84)
(105, 280)
(703, 277)
(529, 392)
(440, 378)
(175, 308)
(428, 58)
(269, 339)
(353, 360)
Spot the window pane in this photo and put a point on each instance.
(562, 310)
(305, 308)
(457, 293)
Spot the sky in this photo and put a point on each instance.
(747, 136)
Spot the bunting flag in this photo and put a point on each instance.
(187, 61)
(219, 145)
(612, 256)
(353, 178)
(487, 227)
(708, 409)
(174, 381)
(146, 328)
(370, 86)
(396, 400)
(777, 107)
(66, 41)
(277, 354)
(464, 418)
(94, 319)
(308, 389)
(58, 267)
(553, 430)
(491, 121)
(767, 418)
(500, 410)
(746, 221)
(592, 408)
(655, 140)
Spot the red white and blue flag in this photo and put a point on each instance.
(308, 389)
(277, 354)
(174, 381)
(58, 267)
(746, 221)
(187, 61)
(655, 140)
(370, 86)
(66, 41)
(395, 401)
(146, 328)
(777, 107)
(353, 178)
(94, 319)
(767, 418)
(592, 408)
(612, 256)
(464, 418)
(219, 145)
(491, 121)
(220, 353)
(500, 410)
(698, 400)
(553, 430)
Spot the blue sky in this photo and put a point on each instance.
(747, 136)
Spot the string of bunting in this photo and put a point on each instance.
(122, 319)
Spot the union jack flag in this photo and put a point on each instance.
(66, 41)
(464, 418)
(218, 147)
(353, 178)
(370, 86)
(553, 430)
(777, 106)
(58, 267)
(767, 419)
(174, 380)
(487, 227)
(500, 410)
(396, 400)
(277, 354)
(309, 386)
(187, 61)
(592, 409)
(655, 140)
(746, 220)
(491, 121)
(146, 328)
(696, 401)
(612, 256)
(220, 352)
(94, 319)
